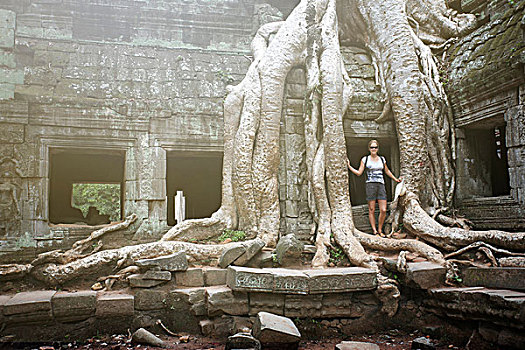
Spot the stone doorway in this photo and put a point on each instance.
(73, 167)
(198, 175)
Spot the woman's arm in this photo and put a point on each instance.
(389, 173)
(356, 172)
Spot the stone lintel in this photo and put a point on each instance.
(495, 277)
(249, 279)
(301, 281)
(173, 262)
(341, 280)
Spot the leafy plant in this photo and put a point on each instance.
(336, 255)
(234, 235)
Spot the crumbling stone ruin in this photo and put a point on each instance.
(131, 96)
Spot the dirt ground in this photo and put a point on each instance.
(386, 340)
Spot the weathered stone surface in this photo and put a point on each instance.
(426, 274)
(174, 262)
(150, 299)
(142, 336)
(206, 327)
(74, 306)
(29, 302)
(242, 341)
(289, 248)
(422, 343)
(344, 305)
(341, 280)
(263, 259)
(303, 305)
(214, 276)
(157, 275)
(189, 299)
(495, 277)
(274, 329)
(254, 248)
(111, 304)
(289, 281)
(249, 279)
(230, 255)
(192, 277)
(269, 302)
(222, 299)
(356, 345)
(138, 281)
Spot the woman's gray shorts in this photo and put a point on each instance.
(375, 190)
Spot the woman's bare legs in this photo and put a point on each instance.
(371, 215)
(382, 214)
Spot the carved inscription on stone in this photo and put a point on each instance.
(341, 280)
(289, 281)
(241, 278)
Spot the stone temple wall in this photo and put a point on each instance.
(145, 81)
(486, 82)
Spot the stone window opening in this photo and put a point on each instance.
(93, 171)
(199, 176)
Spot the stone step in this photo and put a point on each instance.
(279, 280)
(497, 306)
(495, 277)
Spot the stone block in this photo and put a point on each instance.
(272, 329)
(356, 345)
(343, 305)
(192, 277)
(289, 281)
(268, 302)
(7, 91)
(190, 300)
(12, 133)
(229, 255)
(110, 304)
(206, 327)
(75, 306)
(7, 19)
(252, 250)
(157, 275)
(242, 341)
(28, 302)
(29, 307)
(138, 281)
(221, 299)
(495, 277)
(288, 249)
(214, 276)
(341, 280)
(7, 38)
(173, 262)
(11, 76)
(303, 305)
(426, 274)
(150, 299)
(249, 279)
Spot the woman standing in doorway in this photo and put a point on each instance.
(375, 183)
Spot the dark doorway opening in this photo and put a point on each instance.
(357, 150)
(199, 176)
(487, 155)
(76, 168)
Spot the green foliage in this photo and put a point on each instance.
(336, 255)
(105, 197)
(235, 236)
